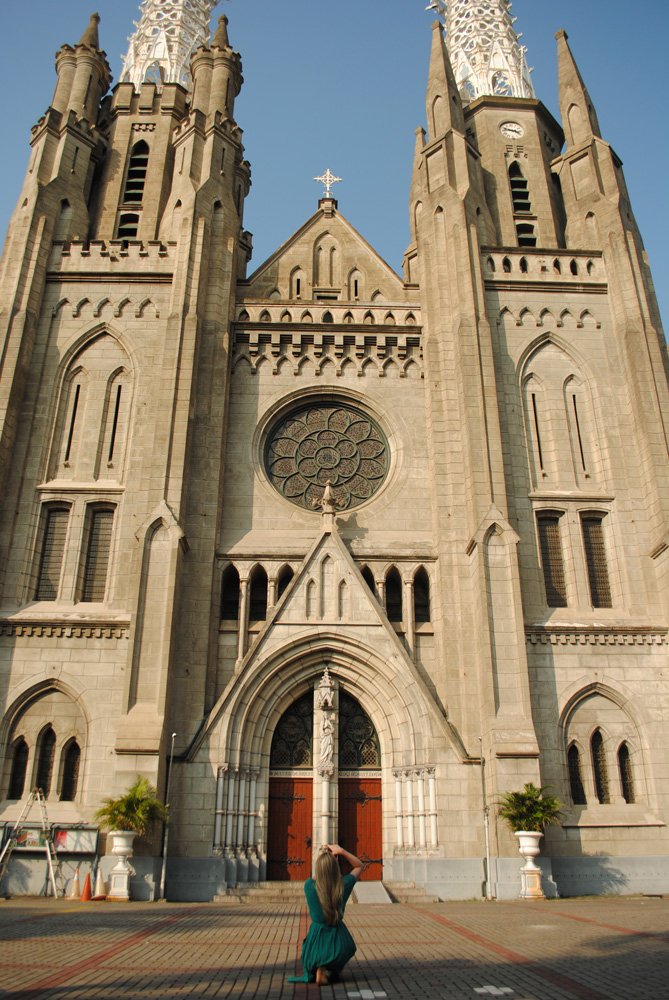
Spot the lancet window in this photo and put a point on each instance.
(358, 741)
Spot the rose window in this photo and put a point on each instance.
(320, 444)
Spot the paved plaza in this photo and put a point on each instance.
(581, 949)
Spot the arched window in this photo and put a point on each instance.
(421, 596)
(136, 178)
(358, 740)
(230, 594)
(127, 226)
(599, 766)
(526, 235)
(51, 555)
(552, 564)
(520, 194)
(285, 576)
(575, 777)
(292, 742)
(394, 595)
(258, 595)
(368, 577)
(17, 779)
(71, 758)
(625, 771)
(595, 557)
(523, 265)
(46, 749)
(94, 585)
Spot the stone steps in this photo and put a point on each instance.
(408, 892)
(292, 893)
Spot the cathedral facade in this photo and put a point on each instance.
(376, 549)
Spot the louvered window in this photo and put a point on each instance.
(47, 750)
(97, 555)
(17, 778)
(128, 226)
(599, 766)
(520, 194)
(625, 768)
(71, 759)
(595, 557)
(136, 179)
(51, 558)
(551, 561)
(575, 777)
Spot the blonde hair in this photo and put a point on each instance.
(329, 886)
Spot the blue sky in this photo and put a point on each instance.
(342, 85)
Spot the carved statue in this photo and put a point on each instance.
(327, 742)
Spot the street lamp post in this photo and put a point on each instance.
(161, 891)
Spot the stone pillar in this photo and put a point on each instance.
(409, 624)
(411, 839)
(220, 812)
(326, 718)
(243, 617)
(432, 785)
(422, 839)
(398, 808)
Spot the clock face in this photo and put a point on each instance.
(512, 130)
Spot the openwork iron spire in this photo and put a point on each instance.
(484, 49)
(168, 32)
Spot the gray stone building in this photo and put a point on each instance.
(377, 549)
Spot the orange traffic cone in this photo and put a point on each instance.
(86, 894)
(100, 887)
(75, 889)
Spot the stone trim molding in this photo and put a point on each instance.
(66, 630)
(596, 636)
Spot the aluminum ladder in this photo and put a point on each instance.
(55, 874)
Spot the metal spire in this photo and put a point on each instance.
(483, 48)
(168, 32)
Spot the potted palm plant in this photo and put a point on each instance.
(528, 813)
(126, 817)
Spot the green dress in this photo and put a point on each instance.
(325, 946)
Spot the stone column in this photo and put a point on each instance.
(422, 839)
(408, 777)
(220, 812)
(432, 785)
(398, 808)
(327, 724)
(409, 623)
(243, 618)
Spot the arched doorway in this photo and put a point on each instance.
(356, 811)
(360, 805)
(290, 807)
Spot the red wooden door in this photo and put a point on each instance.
(360, 816)
(289, 821)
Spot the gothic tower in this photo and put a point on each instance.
(367, 545)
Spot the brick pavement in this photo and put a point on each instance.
(585, 949)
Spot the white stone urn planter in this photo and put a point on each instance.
(119, 878)
(530, 873)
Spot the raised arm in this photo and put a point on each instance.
(351, 858)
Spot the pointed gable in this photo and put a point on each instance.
(325, 260)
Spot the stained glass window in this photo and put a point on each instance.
(320, 444)
(293, 737)
(358, 742)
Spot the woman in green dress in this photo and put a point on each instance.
(328, 946)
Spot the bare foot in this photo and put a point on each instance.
(321, 977)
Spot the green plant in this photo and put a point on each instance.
(530, 809)
(138, 809)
